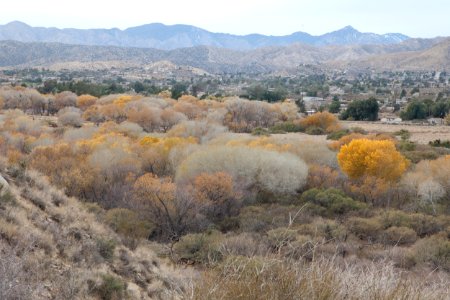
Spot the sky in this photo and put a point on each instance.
(415, 18)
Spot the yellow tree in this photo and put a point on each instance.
(324, 120)
(84, 101)
(216, 192)
(157, 198)
(377, 158)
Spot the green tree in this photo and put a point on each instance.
(138, 87)
(178, 89)
(403, 93)
(362, 110)
(440, 109)
(335, 106)
(414, 110)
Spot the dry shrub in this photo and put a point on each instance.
(9, 232)
(365, 229)
(202, 248)
(109, 288)
(204, 131)
(84, 101)
(429, 182)
(244, 244)
(280, 173)
(323, 177)
(434, 251)
(399, 236)
(323, 121)
(127, 223)
(272, 278)
(70, 116)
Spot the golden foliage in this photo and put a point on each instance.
(123, 100)
(156, 197)
(262, 142)
(114, 112)
(149, 141)
(324, 120)
(85, 101)
(167, 143)
(216, 188)
(380, 159)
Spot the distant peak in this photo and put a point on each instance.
(348, 28)
(17, 23)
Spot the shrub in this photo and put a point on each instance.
(126, 223)
(435, 251)
(279, 173)
(106, 248)
(200, 248)
(320, 123)
(258, 131)
(426, 225)
(314, 130)
(407, 146)
(280, 237)
(70, 116)
(337, 134)
(7, 199)
(365, 229)
(111, 288)
(244, 244)
(217, 194)
(9, 232)
(422, 224)
(399, 236)
(403, 134)
(254, 219)
(330, 202)
(395, 218)
(287, 127)
(439, 143)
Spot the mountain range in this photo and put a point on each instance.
(181, 45)
(412, 54)
(169, 37)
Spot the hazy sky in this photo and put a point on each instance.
(416, 18)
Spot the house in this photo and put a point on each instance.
(401, 101)
(313, 102)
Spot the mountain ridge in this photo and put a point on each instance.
(220, 60)
(170, 37)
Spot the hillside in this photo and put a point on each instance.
(435, 58)
(219, 60)
(54, 247)
(170, 37)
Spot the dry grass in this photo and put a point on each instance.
(272, 278)
(420, 134)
